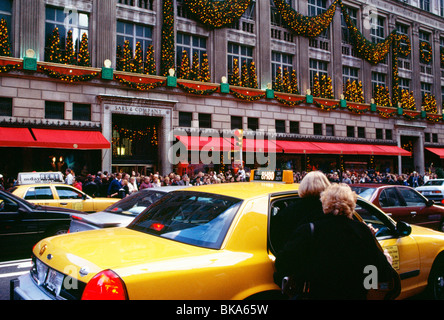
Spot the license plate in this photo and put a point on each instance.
(54, 281)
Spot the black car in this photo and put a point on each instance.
(22, 224)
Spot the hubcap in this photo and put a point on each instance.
(439, 287)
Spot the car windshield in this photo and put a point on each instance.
(136, 203)
(364, 192)
(434, 183)
(195, 218)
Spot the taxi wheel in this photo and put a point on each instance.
(436, 280)
(57, 230)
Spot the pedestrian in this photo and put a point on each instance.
(330, 255)
(69, 177)
(76, 183)
(307, 209)
(132, 185)
(115, 185)
(90, 187)
(146, 183)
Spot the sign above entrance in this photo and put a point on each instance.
(138, 110)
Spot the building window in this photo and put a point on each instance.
(388, 134)
(350, 132)
(317, 67)
(404, 84)
(185, 119)
(379, 134)
(204, 120)
(349, 73)
(5, 107)
(6, 12)
(66, 20)
(134, 33)
(346, 36)
(330, 130)
(253, 123)
(426, 88)
(377, 29)
(236, 122)
(317, 129)
(378, 79)
(435, 137)
(54, 110)
(239, 52)
(81, 112)
(280, 126)
(191, 44)
(424, 5)
(294, 127)
(143, 4)
(281, 60)
(427, 136)
(361, 132)
(316, 7)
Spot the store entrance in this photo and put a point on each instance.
(135, 143)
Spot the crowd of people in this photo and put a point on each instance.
(105, 184)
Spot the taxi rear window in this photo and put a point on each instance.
(195, 218)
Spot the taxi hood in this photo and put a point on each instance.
(110, 248)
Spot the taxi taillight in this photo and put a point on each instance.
(105, 285)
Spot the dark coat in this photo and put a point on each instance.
(341, 248)
(290, 218)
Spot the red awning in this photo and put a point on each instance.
(15, 137)
(437, 151)
(198, 143)
(340, 148)
(70, 139)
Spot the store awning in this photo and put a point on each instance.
(198, 143)
(70, 139)
(437, 151)
(340, 148)
(16, 137)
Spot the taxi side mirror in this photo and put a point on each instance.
(430, 203)
(403, 228)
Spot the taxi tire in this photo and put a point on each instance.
(435, 288)
(57, 230)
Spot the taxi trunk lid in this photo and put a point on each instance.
(83, 255)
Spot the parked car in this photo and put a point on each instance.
(207, 242)
(433, 190)
(403, 203)
(121, 213)
(23, 224)
(62, 196)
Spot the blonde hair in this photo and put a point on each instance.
(339, 200)
(313, 184)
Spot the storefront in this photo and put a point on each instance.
(49, 149)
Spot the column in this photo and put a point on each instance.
(263, 43)
(436, 49)
(366, 70)
(103, 39)
(416, 69)
(218, 58)
(30, 21)
(336, 52)
(303, 56)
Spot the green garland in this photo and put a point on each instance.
(217, 14)
(247, 97)
(301, 25)
(168, 49)
(140, 86)
(192, 90)
(425, 51)
(67, 77)
(9, 67)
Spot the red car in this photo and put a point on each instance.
(403, 203)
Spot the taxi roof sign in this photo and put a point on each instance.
(39, 177)
(285, 176)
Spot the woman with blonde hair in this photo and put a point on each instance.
(307, 209)
(330, 255)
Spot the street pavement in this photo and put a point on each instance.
(10, 270)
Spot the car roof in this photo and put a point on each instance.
(245, 190)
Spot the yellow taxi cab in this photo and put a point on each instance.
(62, 196)
(207, 243)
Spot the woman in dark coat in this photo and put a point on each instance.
(332, 254)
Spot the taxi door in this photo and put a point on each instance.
(41, 195)
(402, 248)
(72, 198)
